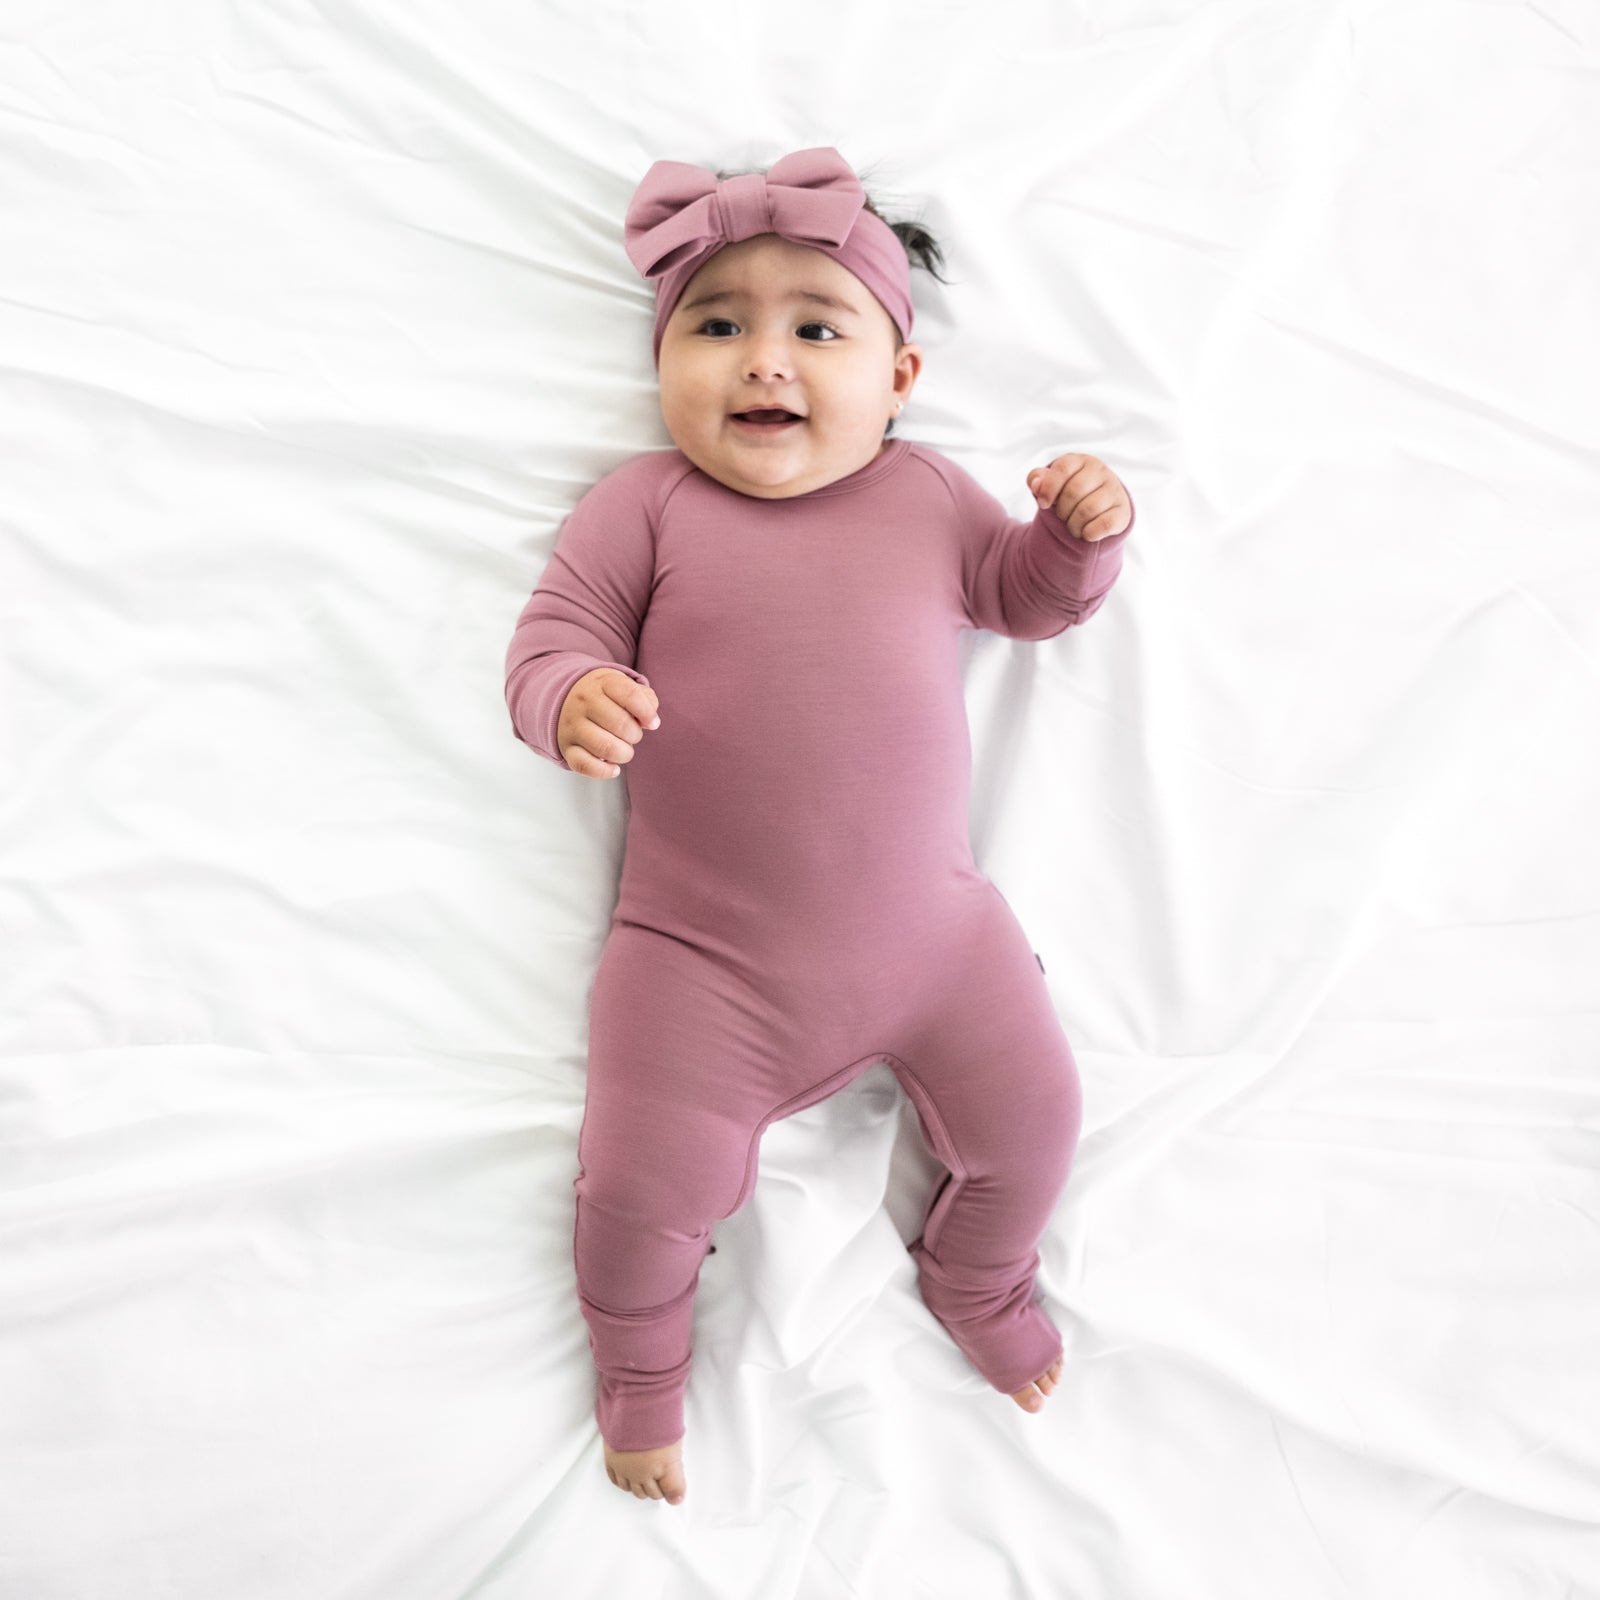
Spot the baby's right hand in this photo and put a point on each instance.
(603, 717)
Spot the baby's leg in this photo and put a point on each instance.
(671, 1116)
(996, 1087)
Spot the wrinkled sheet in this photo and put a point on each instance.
(316, 321)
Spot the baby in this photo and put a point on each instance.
(798, 899)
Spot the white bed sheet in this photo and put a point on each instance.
(316, 321)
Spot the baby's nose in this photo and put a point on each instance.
(769, 358)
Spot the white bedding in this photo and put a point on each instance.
(315, 323)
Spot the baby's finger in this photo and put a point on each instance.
(610, 717)
(1069, 466)
(639, 702)
(613, 746)
(1099, 513)
(588, 765)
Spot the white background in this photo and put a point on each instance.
(315, 321)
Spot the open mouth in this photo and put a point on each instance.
(766, 421)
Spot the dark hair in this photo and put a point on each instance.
(921, 248)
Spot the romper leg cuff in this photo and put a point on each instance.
(1005, 1334)
(639, 1404)
(642, 1415)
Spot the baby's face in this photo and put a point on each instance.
(764, 345)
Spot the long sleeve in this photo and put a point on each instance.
(1027, 580)
(587, 607)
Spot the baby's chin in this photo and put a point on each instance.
(780, 468)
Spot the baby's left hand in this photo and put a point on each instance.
(1086, 494)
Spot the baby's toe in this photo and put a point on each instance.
(648, 1474)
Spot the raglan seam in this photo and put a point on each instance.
(936, 465)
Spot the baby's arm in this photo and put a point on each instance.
(1028, 580)
(585, 614)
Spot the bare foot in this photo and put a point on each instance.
(649, 1474)
(1031, 1396)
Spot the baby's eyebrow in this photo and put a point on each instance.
(815, 295)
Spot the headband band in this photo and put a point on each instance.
(681, 215)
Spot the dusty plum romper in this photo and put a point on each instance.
(798, 898)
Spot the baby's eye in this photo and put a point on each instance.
(723, 322)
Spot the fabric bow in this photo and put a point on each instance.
(682, 212)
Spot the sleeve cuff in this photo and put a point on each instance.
(539, 705)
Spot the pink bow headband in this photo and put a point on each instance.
(681, 215)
